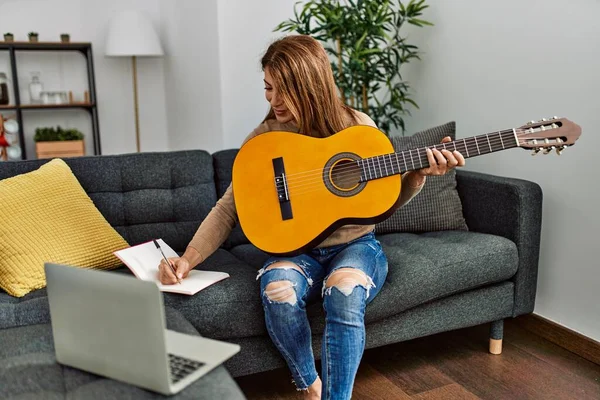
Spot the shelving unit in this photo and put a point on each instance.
(91, 107)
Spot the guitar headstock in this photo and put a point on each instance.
(548, 134)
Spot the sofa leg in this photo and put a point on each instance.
(496, 334)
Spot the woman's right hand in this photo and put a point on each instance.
(165, 273)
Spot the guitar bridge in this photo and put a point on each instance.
(281, 186)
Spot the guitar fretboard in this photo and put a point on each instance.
(409, 160)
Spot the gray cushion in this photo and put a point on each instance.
(28, 369)
(422, 268)
(229, 308)
(437, 207)
(145, 195)
(29, 309)
(223, 165)
(250, 254)
(433, 265)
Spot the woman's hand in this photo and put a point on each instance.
(165, 273)
(443, 161)
(440, 162)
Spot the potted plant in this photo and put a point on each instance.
(65, 37)
(33, 36)
(367, 47)
(51, 142)
(9, 37)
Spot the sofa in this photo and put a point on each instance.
(438, 281)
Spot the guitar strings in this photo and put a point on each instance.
(316, 185)
(439, 145)
(353, 169)
(309, 186)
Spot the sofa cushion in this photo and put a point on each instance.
(30, 309)
(434, 265)
(250, 254)
(422, 268)
(46, 216)
(144, 195)
(437, 207)
(223, 164)
(228, 309)
(27, 310)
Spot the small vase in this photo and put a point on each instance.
(33, 38)
(35, 88)
(9, 38)
(65, 38)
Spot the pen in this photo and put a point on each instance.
(168, 263)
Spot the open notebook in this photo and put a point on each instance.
(143, 261)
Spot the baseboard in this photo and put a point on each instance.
(575, 342)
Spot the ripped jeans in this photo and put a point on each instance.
(361, 267)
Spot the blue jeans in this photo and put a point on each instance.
(344, 337)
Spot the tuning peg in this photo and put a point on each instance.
(543, 120)
(548, 149)
(560, 149)
(534, 152)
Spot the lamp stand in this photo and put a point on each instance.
(135, 102)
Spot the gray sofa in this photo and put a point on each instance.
(437, 281)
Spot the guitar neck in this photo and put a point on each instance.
(413, 159)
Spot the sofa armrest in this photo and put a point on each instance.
(511, 208)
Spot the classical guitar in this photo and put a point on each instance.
(292, 191)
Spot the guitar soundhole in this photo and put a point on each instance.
(342, 175)
(345, 175)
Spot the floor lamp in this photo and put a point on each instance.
(131, 34)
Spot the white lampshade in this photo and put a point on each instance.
(130, 33)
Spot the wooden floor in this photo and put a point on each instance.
(457, 365)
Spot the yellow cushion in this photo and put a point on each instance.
(46, 216)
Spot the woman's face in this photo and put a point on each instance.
(282, 114)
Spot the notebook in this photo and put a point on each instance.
(143, 260)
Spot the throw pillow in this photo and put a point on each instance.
(46, 216)
(437, 207)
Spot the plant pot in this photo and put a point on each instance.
(67, 148)
(9, 38)
(65, 38)
(33, 39)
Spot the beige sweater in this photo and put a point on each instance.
(218, 224)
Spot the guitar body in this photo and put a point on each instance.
(292, 191)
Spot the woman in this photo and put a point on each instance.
(348, 268)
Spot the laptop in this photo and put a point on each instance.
(113, 325)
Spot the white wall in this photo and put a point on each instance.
(87, 21)
(495, 65)
(245, 32)
(192, 74)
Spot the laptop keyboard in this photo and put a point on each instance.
(182, 367)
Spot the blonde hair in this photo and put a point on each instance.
(302, 74)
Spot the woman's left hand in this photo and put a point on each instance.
(440, 162)
(443, 161)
